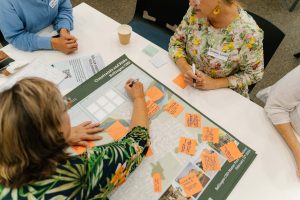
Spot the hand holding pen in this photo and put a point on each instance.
(134, 89)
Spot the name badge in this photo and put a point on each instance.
(218, 54)
(53, 3)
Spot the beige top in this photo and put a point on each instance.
(283, 104)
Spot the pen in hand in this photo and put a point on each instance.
(133, 82)
(194, 72)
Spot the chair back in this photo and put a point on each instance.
(273, 36)
(156, 20)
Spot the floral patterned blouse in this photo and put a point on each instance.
(89, 176)
(240, 42)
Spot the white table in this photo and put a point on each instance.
(272, 174)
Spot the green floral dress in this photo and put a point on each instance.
(90, 176)
(240, 41)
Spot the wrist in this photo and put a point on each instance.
(185, 68)
(63, 30)
(223, 82)
(54, 42)
(138, 98)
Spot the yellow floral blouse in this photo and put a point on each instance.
(240, 42)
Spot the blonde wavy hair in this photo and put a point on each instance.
(31, 143)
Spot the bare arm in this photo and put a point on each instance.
(139, 113)
(287, 132)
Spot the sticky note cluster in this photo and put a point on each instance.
(210, 161)
(231, 151)
(117, 130)
(210, 134)
(187, 146)
(154, 93)
(192, 120)
(191, 184)
(81, 149)
(173, 108)
(179, 81)
(157, 182)
(152, 108)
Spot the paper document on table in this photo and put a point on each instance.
(78, 70)
(36, 68)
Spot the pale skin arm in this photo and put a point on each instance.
(287, 132)
(139, 114)
(203, 81)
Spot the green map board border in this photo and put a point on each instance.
(225, 180)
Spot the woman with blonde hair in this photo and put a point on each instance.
(224, 43)
(34, 133)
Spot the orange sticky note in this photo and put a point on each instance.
(231, 151)
(179, 80)
(157, 183)
(81, 149)
(210, 162)
(152, 108)
(154, 93)
(187, 146)
(116, 130)
(173, 108)
(210, 134)
(191, 184)
(149, 152)
(192, 120)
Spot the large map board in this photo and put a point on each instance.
(103, 98)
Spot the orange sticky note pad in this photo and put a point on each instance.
(154, 93)
(210, 134)
(173, 108)
(192, 120)
(231, 151)
(81, 149)
(191, 184)
(149, 152)
(187, 146)
(157, 183)
(117, 130)
(179, 80)
(152, 108)
(210, 162)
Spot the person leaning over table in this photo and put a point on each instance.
(34, 133)
(283, 109)
(224, 43)
(21, 20)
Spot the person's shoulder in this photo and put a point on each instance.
(248, 24)
(6, 4)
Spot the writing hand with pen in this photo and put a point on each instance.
(134, 89)
(200, 80)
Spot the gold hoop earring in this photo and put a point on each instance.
(217, 10)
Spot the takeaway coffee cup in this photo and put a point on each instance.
(124, 32)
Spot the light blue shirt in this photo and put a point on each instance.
(20, 20)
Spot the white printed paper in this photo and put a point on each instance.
(78, 70)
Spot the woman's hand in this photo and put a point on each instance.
(134, 89)
(189, 77)
(84, 132)
(205, 82)
(66, 34)
(66, 43)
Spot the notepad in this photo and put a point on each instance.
(150, 50)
